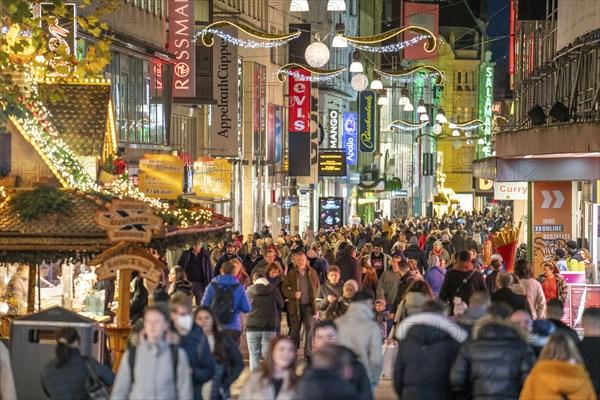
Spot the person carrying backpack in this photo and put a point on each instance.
(227, 298)
(154, 369)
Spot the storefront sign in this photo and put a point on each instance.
(161, 176)
(350, 137)
(582, 297)
(552, 202)
(331, 212)
(483, 187)
(299, 102)
(277, 134)
(259, 120)
(510, 190)
(129, 221)
(488, 97)
(333, 130)
(315, 129)
(181, 33)
(224, 114)
(146, 268)
(332, 163)
(212, 178)
(366, 109)
(60, 31)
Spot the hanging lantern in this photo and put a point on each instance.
(455, 133)
(409, 107)
(421, 109)
(336, 5)
(359, 82)
(317, 54)
(480, 141)
(383, 100)
(424, 117)
(299, 5)
(356, 66)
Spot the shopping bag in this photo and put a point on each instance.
(390, 351)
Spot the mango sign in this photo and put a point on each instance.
(212, 177)
(161, 176)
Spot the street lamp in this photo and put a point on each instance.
(299, 5)
(338, 41)
(421, 109)
(409, 107)
(356, 66)
(376, 84)
(424, 117)
(455, 133)
(404, 100)
(336, 5)
(441, 116)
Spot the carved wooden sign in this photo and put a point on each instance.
(129, 221)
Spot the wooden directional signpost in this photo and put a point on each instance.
(127, 222)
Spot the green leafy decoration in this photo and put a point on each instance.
(44, 200)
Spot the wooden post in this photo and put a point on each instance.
(122, 317)
(118, 332)
(31, 289)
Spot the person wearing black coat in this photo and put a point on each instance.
(264, 319)
(495, 364)
(349, 266)
(139, 298)
(66, 377)
(424, 360)
(504, 294)
(198, 268)
(462, 281)
(414, 252)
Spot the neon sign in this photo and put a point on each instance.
(487, 105)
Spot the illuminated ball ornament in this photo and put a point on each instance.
(437, 129)
(317, 54)
(456, 144)
(359, 82)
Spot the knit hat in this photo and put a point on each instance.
(237, 244)
(572, 245)
(351, 282)
(445, 237)
(414, 240)
(382, 302)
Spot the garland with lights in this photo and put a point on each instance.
(391, 48)
(406, 126)
(470, 125)
(429, 46)
(267, 39)
(405, 74)
(316, 75)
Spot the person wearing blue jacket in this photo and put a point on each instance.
(193, 341)
(435, 275)
(241, 303)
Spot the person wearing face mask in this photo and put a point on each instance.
(193, 341)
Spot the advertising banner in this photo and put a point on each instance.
(181, 34)
(483, 187)
(278, 135)
(366, 113)
(161, 176)
(552, 202)
(299, 102)
(212, 177)
(350, 137)
(510, 191)
(333, 129)
(331, 212)
(224, 114)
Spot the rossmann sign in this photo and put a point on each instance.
(181, 34)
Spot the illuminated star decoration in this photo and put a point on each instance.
(372, 43)
(267, 40)
(316, 75)
(414, 74)
(406, 126)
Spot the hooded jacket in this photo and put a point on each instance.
(240, 300)
(495, 364)
(554, 379)
(349, 267)
(425, 355)
(358, 331)
(200, 358)
(411, 304)
(414, 252)
(267, 303)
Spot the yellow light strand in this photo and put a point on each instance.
(207, 36)
(429, 46)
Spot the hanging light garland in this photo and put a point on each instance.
(3, 196)
(406, 126)
(316, 75)
(267, 40)
(368, 43)
(470, 125)
(414, 74)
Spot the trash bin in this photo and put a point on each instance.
(33, 341)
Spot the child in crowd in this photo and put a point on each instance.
(382, 316)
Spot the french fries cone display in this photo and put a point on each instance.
(507, 241)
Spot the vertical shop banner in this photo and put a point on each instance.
(161, 176)
(350, 137)
(366, 110)
(224, 130)
(271, 133)
(212, 177)
(313, 177)
(181, 35)
(278, 135)
(333, 129)
(552, 226)
(426, 16)
(299, 101)
(298, 154)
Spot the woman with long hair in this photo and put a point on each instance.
(228, 359)
(559, 372)
(68, 375)
(554, 285)
(369, 275)
(276, 378)
(533, 289)
(178, 281)
(417, 294)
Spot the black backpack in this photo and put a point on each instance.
(222, 303)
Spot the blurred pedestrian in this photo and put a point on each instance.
(7, 383)
(589, 347)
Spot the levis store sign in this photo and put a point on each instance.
(181, 35)
(299, 101)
